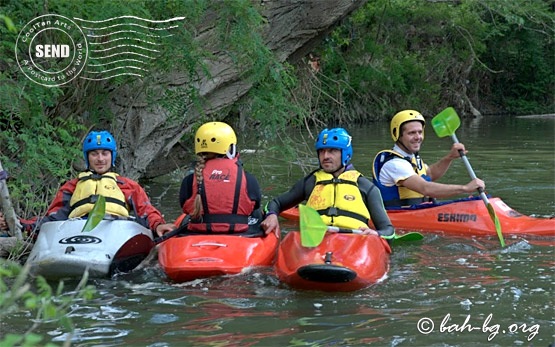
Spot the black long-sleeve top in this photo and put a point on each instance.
(302, 189)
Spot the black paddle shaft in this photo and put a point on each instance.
(174, 232)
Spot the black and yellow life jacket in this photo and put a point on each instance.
(339, 200)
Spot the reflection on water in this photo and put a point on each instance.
(465, 290)
(451, 279)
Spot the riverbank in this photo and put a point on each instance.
(539, 116)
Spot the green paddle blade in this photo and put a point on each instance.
(410, 236)
(96, 215)
(495, 220)
(446, 122)
(313, 228)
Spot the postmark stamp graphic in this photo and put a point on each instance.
(125, 45)
(51, 50)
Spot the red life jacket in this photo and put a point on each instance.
(225, 200)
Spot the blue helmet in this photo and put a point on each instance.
(99, 140)
(336, 138)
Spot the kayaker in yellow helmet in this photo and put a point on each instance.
(403, 178)
(220, 196)
(342, 195)
(76, 198)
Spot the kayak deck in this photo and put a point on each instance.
(188, 257)
(62, 250)
(342, 262)
(462, 217)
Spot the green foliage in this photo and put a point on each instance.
(269, 102)
(240, 34)
(521, 75)
(17, 294)
(398, 54)
(43, 150)
(387, 56)
(8, 23)
(41, 128)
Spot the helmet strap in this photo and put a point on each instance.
(403, 146)
(231, 151)
(338, 170)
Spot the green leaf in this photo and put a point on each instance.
(9, 24)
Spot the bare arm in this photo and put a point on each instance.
(440, 190)
(438, 169)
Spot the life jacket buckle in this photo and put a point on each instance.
(93, 199)
(333, 212)
(95, 177)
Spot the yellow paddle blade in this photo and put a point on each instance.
(313, 228)
(446, 122)
(96, 215)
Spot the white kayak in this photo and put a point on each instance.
(62, 250)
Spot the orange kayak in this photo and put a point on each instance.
(341, 263)
(188, 257)
(467, 216)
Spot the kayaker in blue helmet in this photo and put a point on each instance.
(342, 195)
(220, 196)
(403, 178)
(77, 197)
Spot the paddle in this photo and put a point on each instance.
(174, 232)
(96, 215)
(313, 229)
(445, 124)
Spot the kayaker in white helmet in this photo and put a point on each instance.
(402, 176)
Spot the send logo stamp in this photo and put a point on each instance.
(52, 50)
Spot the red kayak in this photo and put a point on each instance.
(341, 263)
(189, 257)
(467, 216)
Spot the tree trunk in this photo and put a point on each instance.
(9, 214)
(149, 141)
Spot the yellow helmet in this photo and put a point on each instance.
(402, 117)
(216, 137)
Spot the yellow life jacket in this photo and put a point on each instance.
(338, 200)
(91, 185)
(420, 169)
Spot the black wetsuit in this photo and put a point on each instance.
(370, 193)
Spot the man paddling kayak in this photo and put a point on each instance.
(341, 195)
(77, 197)
(403, 178)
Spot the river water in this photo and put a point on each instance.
(442, 291)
